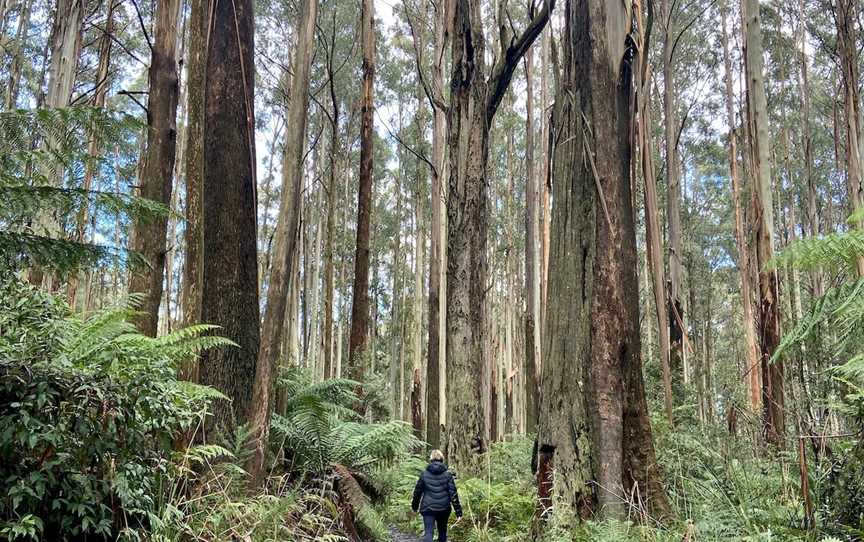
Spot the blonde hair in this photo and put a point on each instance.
(436, 455)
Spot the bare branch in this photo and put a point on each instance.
(511, 52)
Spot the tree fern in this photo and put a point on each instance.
(38, 207)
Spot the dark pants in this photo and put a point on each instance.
(429, 521)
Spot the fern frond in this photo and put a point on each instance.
(836, 251)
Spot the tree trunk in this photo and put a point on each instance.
(65, 47)
(229, 287)
(360, 299)
(285, 237)
(748, 323)
(436, 349)
(417, 390)
(21, 37)
(331, 220)
(474, 101)
(594, 427)
(194, 231)
(148, 237)
(532, 259)
(769, 322)
(845, 17)
(102, 83)
(673, 202)
(654, 243)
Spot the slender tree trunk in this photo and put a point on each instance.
(654, 244)
(436, 349)
(21, 37)
(673, 201)
(157, 169)
(845, 17)
(807, 144)
(417, 389)
(748, 323)
(229, 286)
(532, 259)
(360, 299)
(285, 238)
(594, 427)
(194, 232)
(102, 84)
(769, 325)
(331, 220)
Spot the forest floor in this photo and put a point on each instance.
(399, 536)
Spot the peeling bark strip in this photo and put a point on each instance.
(157, 170)
(230, 266)
(594, 413)
(474, 100)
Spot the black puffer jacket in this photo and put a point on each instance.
(436, 491)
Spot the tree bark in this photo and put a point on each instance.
(360, 299)
(673, 202)
(753, 369)
(65, 48)
(436, 346)
(229, 287)
(285, 237)
(774, 423)
(194, 231)
(157, 169)
(21, 36)
(474, 101)
(532, 259)
(654, 243)
(594, 426)
(845, 17)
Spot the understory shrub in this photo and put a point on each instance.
(89, 411)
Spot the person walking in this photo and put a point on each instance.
(434, 496)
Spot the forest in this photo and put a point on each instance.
(259, 258)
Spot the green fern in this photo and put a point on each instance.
(44, 160)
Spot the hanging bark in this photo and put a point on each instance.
(360, 299)
(229, 287)
(157, 169)
(774, 423)
(532, 259)
(474, 100)
(594, 427)
(753, 369)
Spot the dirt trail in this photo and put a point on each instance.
(399, 536)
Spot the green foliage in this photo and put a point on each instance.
(48, 177)
(89, 411)
(319, 428)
